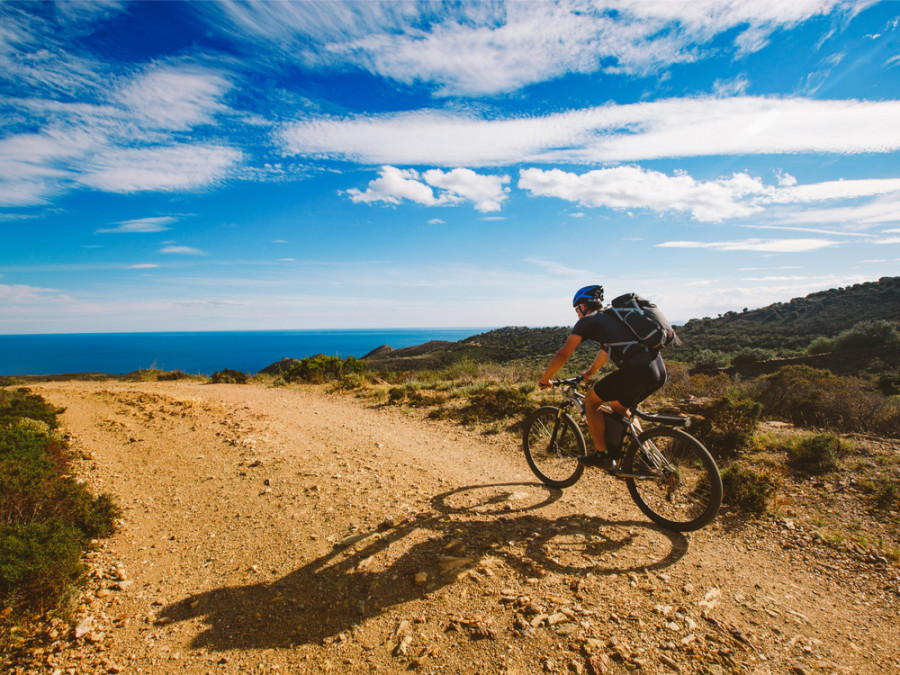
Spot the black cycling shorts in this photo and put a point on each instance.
(629, 385)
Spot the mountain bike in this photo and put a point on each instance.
(670, 474)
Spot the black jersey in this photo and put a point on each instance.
(606, 331)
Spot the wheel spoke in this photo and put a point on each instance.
(685, 492)
(552, 443)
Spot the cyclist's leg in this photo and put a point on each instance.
(605, 391)
(595, 421)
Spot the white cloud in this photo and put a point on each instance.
(486, 48)
(181, 250)
(487, 192)
(143, 266)
(157, 224)
(394, 185)
(178, 167)
(176, 98)
(629, 187)
(19, 294)
(561, 270)
(669, 128)
(632, 187)
(757, 245)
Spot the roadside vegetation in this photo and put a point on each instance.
(48, 518)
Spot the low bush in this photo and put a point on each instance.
(229, 376)
(747, 489)
(412, 396)
(493, 404)
(22, 404)
(865, 334)
(47, 518)
(681, 383)
(887, 496)
(751, 355)
(321, 368)
(816, 454)
(816, 398)
(727, 424)
(706, 359)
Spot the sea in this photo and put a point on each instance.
(200, 353)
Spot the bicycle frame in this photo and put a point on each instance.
(649, 450)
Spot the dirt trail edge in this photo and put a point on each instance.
(274, 530)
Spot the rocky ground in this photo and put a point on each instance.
(281, 530)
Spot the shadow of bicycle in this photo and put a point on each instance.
(499, 526)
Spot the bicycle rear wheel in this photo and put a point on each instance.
(679, 486)
(553, 443)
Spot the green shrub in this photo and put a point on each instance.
(492, 405)
(229, 376)
(321, 368)
(751, 355)
(747, 489)
(889, 384)
(706, 359)
(817, 454)
(727, 424)
(21, 403)
(887, 496)
(38, 561)
(816, 398)
(47, 518)
(172, 375)
(681, 383)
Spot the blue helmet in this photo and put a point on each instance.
(589, 295)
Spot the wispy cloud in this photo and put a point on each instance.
(180, 167)
(689, 127)
(174, 97)
(488, 48)
(559, 269)
(757, 245)
(143, 225)
(182, 250)
(18, 294)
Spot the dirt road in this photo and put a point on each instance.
(276, 530)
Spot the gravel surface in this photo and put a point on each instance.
(283, 530)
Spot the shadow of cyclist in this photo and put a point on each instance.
(414, 559)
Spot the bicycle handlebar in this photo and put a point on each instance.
(571, 381)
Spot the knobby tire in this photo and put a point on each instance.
(553, 442)
(685, 499)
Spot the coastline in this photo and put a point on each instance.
(200, 352)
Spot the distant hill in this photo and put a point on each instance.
(785, 328)
(790, 326)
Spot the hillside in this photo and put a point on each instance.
(784, 328)
(792, 325)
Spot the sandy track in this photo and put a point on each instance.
(285, 530)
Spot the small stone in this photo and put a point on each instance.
(84, 627)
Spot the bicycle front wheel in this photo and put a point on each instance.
(678, 484)
(553, 443)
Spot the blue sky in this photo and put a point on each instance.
(288, 165)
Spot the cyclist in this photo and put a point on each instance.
(640, 371)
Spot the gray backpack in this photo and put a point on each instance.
(649, 326)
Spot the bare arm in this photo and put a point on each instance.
(599, 362)
(559, 359)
